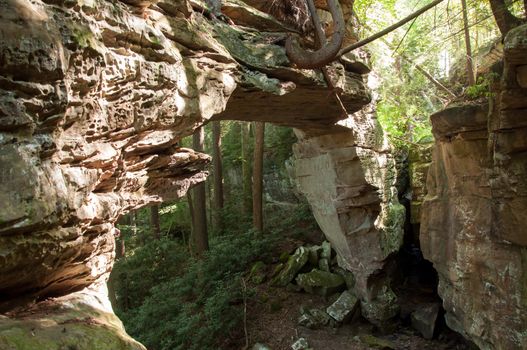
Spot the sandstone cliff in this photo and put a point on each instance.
(473, 223)
(94, 97)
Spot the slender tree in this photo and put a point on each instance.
(259, 133)
(154, 221)
(192, 218)
(246, 169)
(470, 65)
(199, 205)
(217, 165)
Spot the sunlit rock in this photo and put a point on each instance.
(473, 217)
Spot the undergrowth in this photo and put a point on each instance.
(181, 302)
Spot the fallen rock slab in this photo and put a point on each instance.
(293, 265)
(320, 282)
(344, 308)
(313, 318)
(300, 344)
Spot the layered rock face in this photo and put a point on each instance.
(349, 178)
(419, 160)
(94, 100)
(475, 210)
(94, 97)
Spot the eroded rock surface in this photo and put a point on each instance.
(94, 97)
(475, 210)
(82, 320)
(348, 178)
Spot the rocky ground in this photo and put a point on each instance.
(280, 317)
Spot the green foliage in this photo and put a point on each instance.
(481, 88)
(155, 262)
(279, 142)
(197, 303)
(175, 218)
(169, 300)
(435, 42)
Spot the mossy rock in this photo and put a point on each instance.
(320, 282)
(257, 274)
(323, 264)
(344, 307)
(65, 326)
(284, 257)
(326, 250)
(382, 308)
(291, 268)
(313, 318)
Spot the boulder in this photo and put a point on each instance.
(320, 282)
(381, 308)
(424, 319)
(313, 318)
(291, 268)
(81, 321)
(347, 275)
(323, 264)
(300, 344)
(314, 253)
(344, 308)
(326, 250)
(349, 179)
(257, 274)
(260, 346)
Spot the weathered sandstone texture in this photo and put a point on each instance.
(349, 178)
(419, 160)
(94, 97)
(474, 217)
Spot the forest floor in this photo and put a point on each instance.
(272, 314)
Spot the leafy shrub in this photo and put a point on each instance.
(154, 263)
(481, 88)
(198, 307)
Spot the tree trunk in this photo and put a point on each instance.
(200, 208)
(246, 169)
(134, 221)
(192, 218)
(426, 74)
(154, 221)
(504, 18)
(470, 66)
(259, 133)
(120, 249)
(218, 176)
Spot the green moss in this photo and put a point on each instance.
(82, 36)
(257, 274)
(74, 334)
(393, 228)
(319, 278)
(20, 339)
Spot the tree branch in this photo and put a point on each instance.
(389, 29)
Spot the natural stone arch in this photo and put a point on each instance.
(91, 118)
